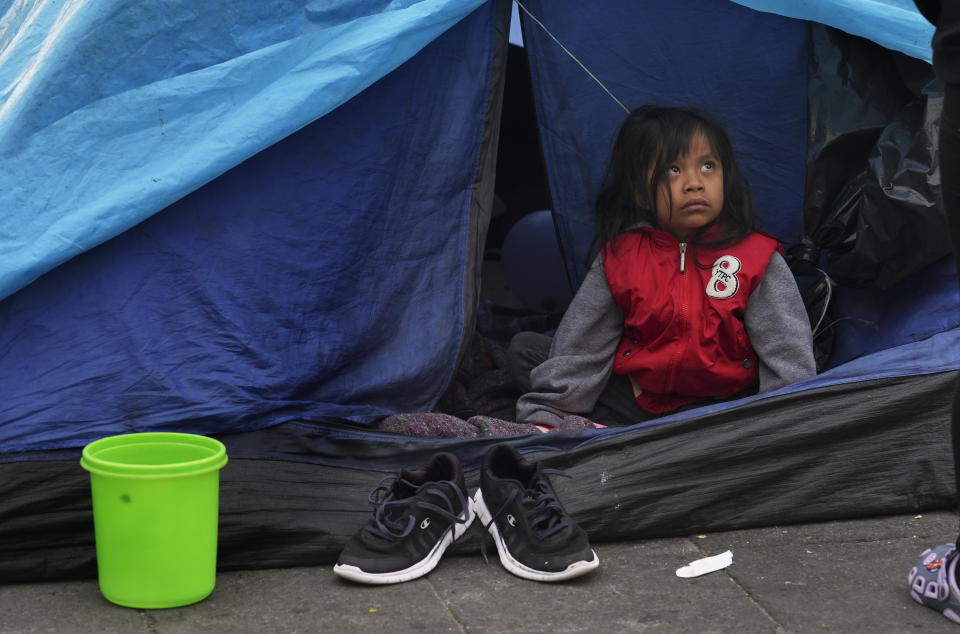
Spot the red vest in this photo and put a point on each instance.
(683, 333)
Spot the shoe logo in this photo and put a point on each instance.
(935, 564)
(425, 523)
(511, 520)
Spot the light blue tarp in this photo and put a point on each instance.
(112, 110)
(894, 24)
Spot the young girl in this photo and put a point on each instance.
(686, 302)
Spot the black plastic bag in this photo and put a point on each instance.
(873, 182)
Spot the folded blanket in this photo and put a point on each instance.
(439, 425)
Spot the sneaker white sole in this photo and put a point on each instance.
(418, 569)
(575, 569)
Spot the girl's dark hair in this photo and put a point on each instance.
(655, 136)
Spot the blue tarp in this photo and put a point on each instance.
(112, 110)
(321, 278)
(747, 69)
(314, 174)
(894, 24)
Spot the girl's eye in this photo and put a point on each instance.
(673, 169)
(708, 166)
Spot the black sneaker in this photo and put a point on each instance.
(416, 516)
(535, 536)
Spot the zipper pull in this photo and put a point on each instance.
(683, 255)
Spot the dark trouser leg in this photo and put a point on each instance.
(950, 190)
(945, 14)
(616, 405)
(527, 350)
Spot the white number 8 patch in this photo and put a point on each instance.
(723, 282)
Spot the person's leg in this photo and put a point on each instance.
(949, 140)
(946, 44)
(616, 405)
(933, 580)
(945, 15)
(527, 350)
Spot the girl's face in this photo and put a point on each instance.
(691, 196)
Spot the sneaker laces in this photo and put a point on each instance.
(389, 521)
(546, 515)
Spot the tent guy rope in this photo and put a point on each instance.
(573, 57)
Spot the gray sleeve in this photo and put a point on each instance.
(779, 329)
(581, 355)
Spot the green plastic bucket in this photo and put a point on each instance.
(155, 512)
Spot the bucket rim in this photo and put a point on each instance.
(94, 464)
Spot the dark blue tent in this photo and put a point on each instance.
(273, 233)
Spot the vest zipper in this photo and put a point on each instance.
(683, 317)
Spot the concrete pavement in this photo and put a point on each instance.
(845, 576)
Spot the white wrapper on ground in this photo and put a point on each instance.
(705, 565)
